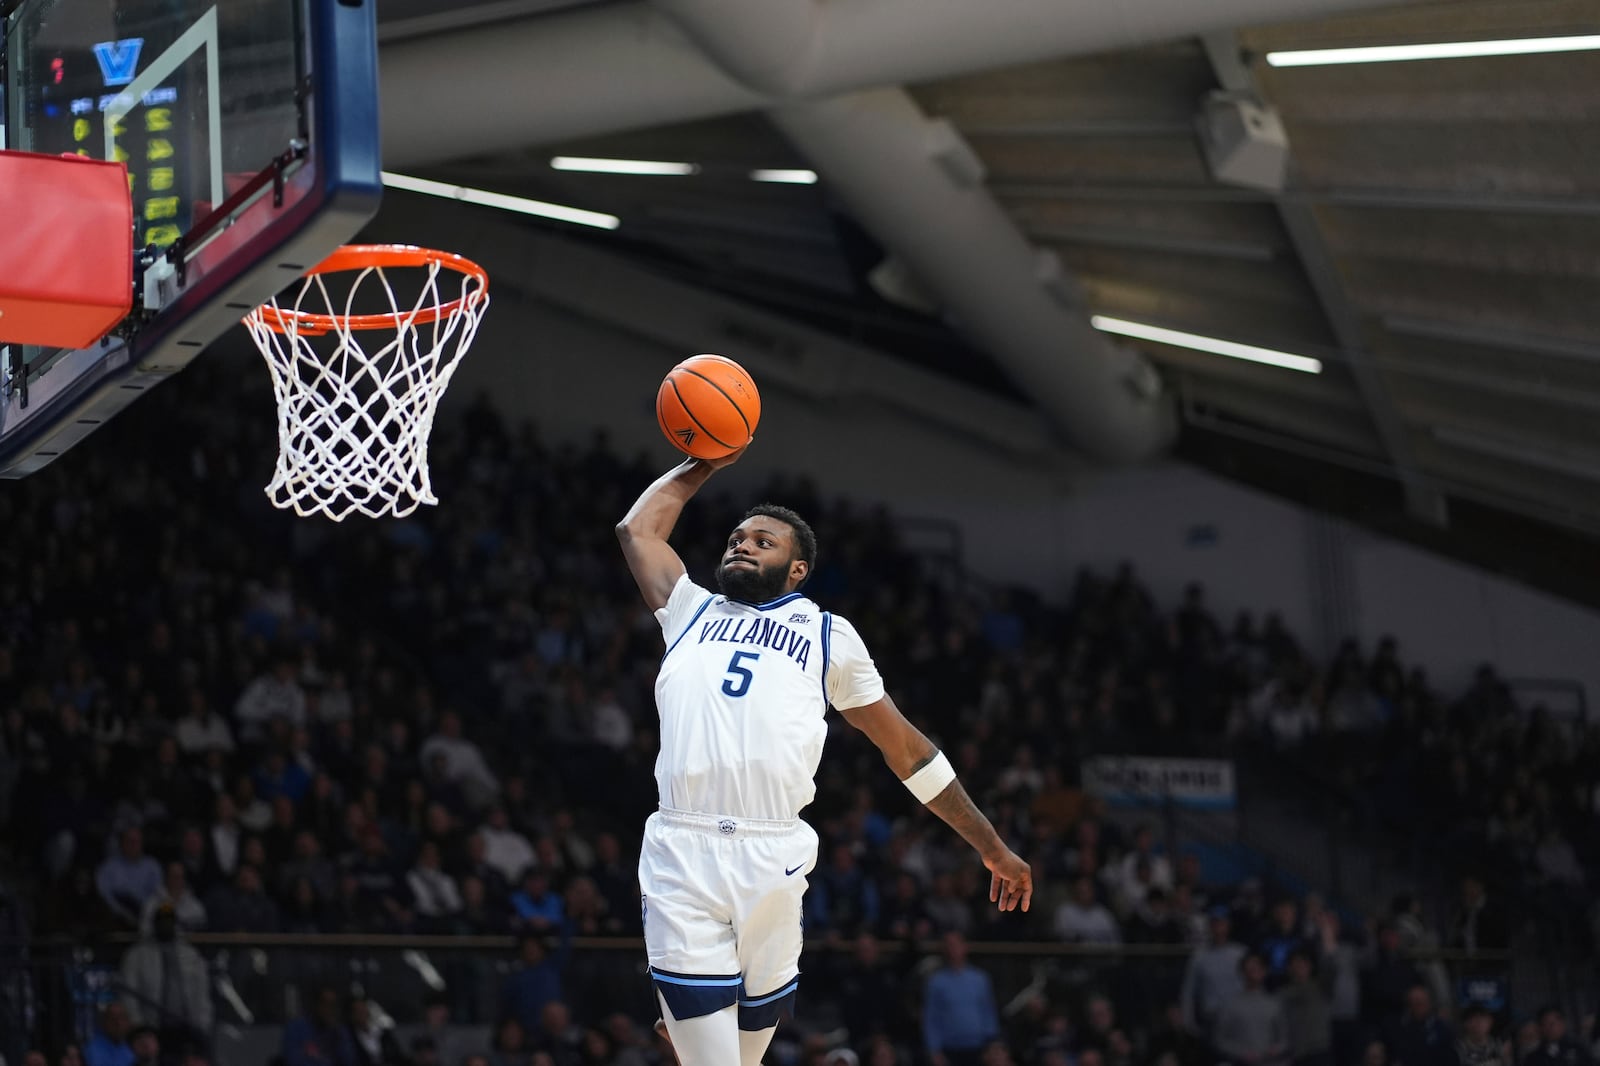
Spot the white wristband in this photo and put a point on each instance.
(932, 779)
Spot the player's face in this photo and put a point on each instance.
(759, 564)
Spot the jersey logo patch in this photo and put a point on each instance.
(801, 618)
(791, 873)
(727, 827)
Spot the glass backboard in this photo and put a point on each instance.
(250, 133)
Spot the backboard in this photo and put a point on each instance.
(250, 132)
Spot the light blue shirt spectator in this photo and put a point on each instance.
(128, 879)
(958, 1012)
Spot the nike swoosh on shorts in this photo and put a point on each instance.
(791, 873)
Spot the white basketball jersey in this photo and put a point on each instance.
(742, 694)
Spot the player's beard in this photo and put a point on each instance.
(752, 584)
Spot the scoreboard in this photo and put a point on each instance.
(140, 82)
(153, 145)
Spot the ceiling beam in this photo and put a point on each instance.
(1423, 499)
(1415, 199)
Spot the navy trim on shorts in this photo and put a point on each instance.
(688, 627)
(763, 1012)
(696, 995)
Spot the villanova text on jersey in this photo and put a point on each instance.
(763, 632)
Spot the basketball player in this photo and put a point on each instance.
(742, 691)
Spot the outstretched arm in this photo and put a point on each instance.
(643, 531)
(908, 752)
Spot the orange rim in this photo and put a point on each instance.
(353, 257)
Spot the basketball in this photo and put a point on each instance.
(708, 406)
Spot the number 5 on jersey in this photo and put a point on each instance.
(738, 687)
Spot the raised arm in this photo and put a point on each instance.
(643, 531)
(921, 767)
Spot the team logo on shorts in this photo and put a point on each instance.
(727, 827)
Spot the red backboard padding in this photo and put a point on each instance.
(66, 249)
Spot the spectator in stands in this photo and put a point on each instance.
(382, 886)
(1339, 972)
(1155, 922)
(535, 982)
(1099, 1025)
(128, 878)
(586, 912)
(946, 908)
(319, 1037)
(617, 882)
(1213, 976)
(1172, 1044)
(902, 915)
(145, 1043)
(1084, 920)
(479, 914)
(1307, 1017)
(372, 1039)
(868, 992)
(1144, 851)
(310, 865)
(464, 764)
(1416, 939)
(76, 909)
(1281, 939)
(226, 838)
(629, 1047)
(168, 984)
(1555, 1047)
(958, 1009)
(1387, 979)
(450, 1042)
(536, 906)
(271, 695)
(510, 1044)
(434, 894)
(423, 1051)
(1420, 1037)
(842, 899)
(1477, 1045)
(558, 1036)
(504, 849)
(175, 894)
(109, 1045)
(201, 729)
(1251, 1029)
(243, 906)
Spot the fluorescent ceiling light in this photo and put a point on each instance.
(519, 204)
(786, 177)
(1395, 53)
(647, 167)
(1207, 344)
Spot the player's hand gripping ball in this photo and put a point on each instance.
(708, 407)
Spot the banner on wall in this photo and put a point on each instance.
(1140, 781)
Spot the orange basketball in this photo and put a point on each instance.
(708, 406)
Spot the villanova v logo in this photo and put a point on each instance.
(118, 59)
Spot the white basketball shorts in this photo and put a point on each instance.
(722, 912)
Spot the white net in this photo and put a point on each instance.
(353, 424)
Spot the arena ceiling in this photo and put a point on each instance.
(1436, 246)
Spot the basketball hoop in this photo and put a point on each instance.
(353, 425)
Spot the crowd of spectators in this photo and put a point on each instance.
(218, 718)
